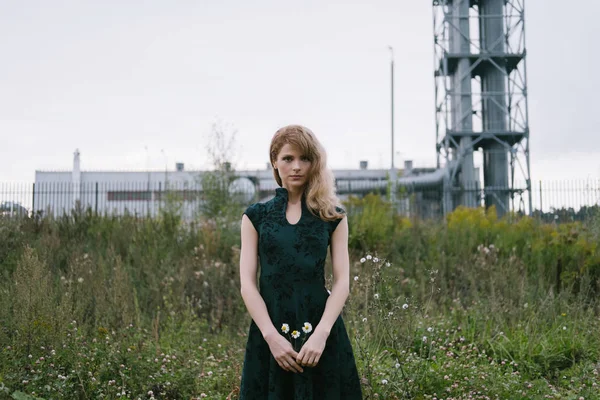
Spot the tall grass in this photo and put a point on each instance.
(102, 307)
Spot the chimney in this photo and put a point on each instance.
(364, 164)
(179, 166)
(76, 178)
(408, 167)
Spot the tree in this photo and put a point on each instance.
(217, 203)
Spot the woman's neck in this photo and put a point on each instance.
(295, 196)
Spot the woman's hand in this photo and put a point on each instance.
(313, 348)
(283, 352)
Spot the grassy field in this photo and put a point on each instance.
(470, 307)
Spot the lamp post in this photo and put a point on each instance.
(393, 168)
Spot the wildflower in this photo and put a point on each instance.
(285, 328)
(424, 339)
(397, 365)
(384, 381)
(355, 278)
(364, 319)
(390, 313)
(404, 306)
(80, 280)
(307, 328)
(209, 373)
(376, 296)
(564, 328)
(362, 260)
(369, 257)
(387, 264)
(375, 259)
(295, 334)
(430, 329)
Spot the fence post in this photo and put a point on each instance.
(96, 202)
(541, 203)
(33, 201)
(160, 196)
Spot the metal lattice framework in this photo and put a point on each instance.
(481, 98)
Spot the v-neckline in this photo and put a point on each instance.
(284, 194)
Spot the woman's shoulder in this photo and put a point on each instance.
(255, 212)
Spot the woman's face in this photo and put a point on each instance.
(293, 167)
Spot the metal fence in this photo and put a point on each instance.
(562, 200)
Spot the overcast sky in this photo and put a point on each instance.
(113, 78)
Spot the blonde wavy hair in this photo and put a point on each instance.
(320, 195)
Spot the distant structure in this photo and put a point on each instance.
(480, 108)
(481, 102)
(145, 193)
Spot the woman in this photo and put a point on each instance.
(297, 345)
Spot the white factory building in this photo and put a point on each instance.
(145, 193)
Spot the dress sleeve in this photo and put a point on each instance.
(253, 213)
(334, 224)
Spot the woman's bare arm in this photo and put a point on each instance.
(249, 288)
(341, 278)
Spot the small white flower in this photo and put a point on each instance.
(307, 328)
(404, 306)
(80, 280)
(564, 328)
(355, 278)
(364, 319)
(384, 381)
(424, 339)
(387, 264)
(390, 313)
(430, 329)
(376, 296)
(397, 365)
(362, 260)
(369, 257)
(285, 328)
(375, 259)
(209, 373)
(295, 334)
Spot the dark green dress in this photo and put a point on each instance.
(292, 284)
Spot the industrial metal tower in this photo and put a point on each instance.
(481, 102)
